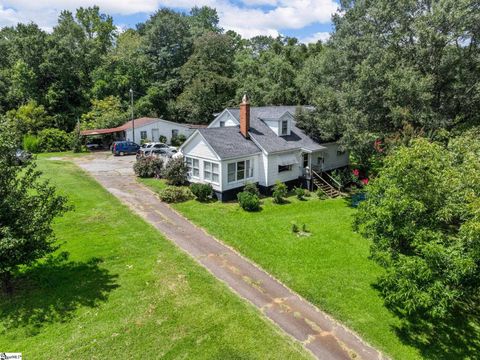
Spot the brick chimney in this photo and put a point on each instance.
(245, 116)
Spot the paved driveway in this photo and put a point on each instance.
(323, 336)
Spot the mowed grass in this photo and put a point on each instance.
(330, 268)
(126, 292)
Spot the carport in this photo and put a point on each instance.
(106, 136)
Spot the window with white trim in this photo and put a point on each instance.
(193, 166)
(143, 135)
(284, 127)
(239, 170)
(283, 168)
(211, 172)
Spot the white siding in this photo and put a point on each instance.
(197, 147)
(226, 117)
(332, 159)
(273, 175)
(164, 128)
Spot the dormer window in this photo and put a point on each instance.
(284, 128)
(222, 123)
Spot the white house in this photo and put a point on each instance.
(259, 145)
(146, 129)
(151, 129)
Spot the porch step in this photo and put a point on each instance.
(328, 190)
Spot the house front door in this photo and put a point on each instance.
(155, 135)
(306, 160)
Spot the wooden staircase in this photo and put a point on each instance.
(323, 185)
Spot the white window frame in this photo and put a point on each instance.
(221, 123)
(192, 169)
(247, 170)
(287, 168)
(143, 134)
(281, 127)
(209, 172)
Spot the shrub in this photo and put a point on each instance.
(203, 192)
(148, 167)
(295, 228)
(175, 172)
(144, 141)
(31, 143)
(248, 201)
(279, 192)
(178, 140)
(162, 139)
(252, 189)
(321, 195)
(300, 193)
(50, 140)
(174, 194)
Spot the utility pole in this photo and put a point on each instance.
(133, 120)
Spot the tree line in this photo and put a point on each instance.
(181, 67)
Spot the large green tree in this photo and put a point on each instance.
(422, 214)
(394, 63)
(105, 113)
(266, 69)
(28, 206)
(207, 77)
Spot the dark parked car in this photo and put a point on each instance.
(124, 148)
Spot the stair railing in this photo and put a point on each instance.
(323, 180)
(337, 184)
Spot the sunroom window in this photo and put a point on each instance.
(210, 172)
(240, 170)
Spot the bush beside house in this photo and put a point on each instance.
(148, 167)
(175, 172)
(203, 192)
(280, 192)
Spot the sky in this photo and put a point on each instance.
(308, 20)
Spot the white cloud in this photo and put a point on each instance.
(248, 18)
(323, 36)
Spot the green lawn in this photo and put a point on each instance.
(127, 292)
(330, 268)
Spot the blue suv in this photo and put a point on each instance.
(124, 148)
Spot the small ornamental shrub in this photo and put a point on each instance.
(252, 189)
(248, 201)
(31, 143)
(307, 193)
(162, 139)
(203, 192)
(178, 140)
(50, 140)
(148, 167)
(175, 172)
(295, 228)
(300, 193)
(175, 194)
(321, 195)
(279, 192)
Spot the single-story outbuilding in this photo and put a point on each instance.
(146, 129)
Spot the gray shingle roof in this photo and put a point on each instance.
(228, 142)
(267, 139)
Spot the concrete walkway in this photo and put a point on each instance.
(319, 333)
